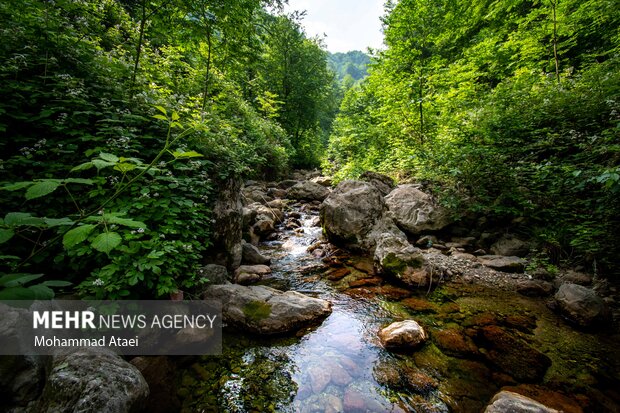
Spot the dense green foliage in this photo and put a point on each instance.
(120, 117)
(512, 107)
(350, 67)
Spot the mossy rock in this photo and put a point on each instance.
(257, 310)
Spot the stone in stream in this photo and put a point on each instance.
(395, 256)
(264, 310)
(415, 211)
(308, 191)
(247, 274)
(92, 380)
(581, 305)
(407, 334)
(251, 255)
(509, 402)
(349, 213)
(501, 263)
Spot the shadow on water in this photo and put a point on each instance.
(340, 365)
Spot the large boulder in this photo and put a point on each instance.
(265, 310)
(350, 212)
(510, 245)
(383, 183)
(501, 263)
(308, 191)
(510, 402)
(395, 256)
(407, 334)
(92, 380)
(581, 305)
(214, 274)
(228, 219)
(251, 255)
(415, 211)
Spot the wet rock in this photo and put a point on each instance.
(251, 255)
(581, 305)
(248, 274)
(534, 288)
(359, 397)
(395, 256)
(364, 265)
(324, 403)
(214, 274)
(573, 277)
(501, 263)
(419, 305)
(265, 310)
(276, 193)
(512, 355)
(264, 227)
(350, 212)
(364, 282)
(248, 217)
(287, 183)
(383, 183)
(255, 193)
(510, 245)
(339, 375)
(417, 381)
(426, 241)
(319, 378)
(159, 373)
(92, 380)
(323, 181)
(308, 191)
(455, 342)
(335, 274)
(276, 204)
(415, 211)
(550, 398)
(406, 334)
(509, 402)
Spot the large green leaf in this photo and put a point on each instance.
(82, 167)
(108, 157)
(22, 218)
(41, 292)
(56, 283)
(76, 235)
(56, 222)
(16, 293)
(106, 241)
(100, 163)
(14, 280)
(17, 186)
(6, 234)
(78, 181)
(112, 219)
(42, 188)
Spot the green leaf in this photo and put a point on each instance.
(108, 157)
(188, 154)
(56, 283)
(76, 235)
(16, 186)
(100, 164)
(14, 280)
(42, 188)
(41, 292)
(125, 167)
(162, 117)
(56, 222)
(6, 234)
(82, 167)
(175, 116)
(112, 219)
(78, 181)
(16, 293)
(22, 218)
(162, 109)
(106, 241)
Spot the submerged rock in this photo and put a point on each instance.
(581, 305)
(501, 263)
(509, 402)
(415, 211)
(406, 334)
(265, 310)
(92, 380)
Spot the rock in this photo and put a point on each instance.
(276, 204)
(552, 399)
(255, 193)
(319, 378)
(264, 227)
(308, 191)
(415, 211)
(574, 277)
(350, 212)
(159, 373)
(419, 305)
(92, 380)
(251, 255)
(335, 274)
(364, 265)
(323, 181)
(363, 282)
(455, 342)
(406, 334)
(509, 245)
(501, 263)
(277, 193)
(227, 218)
(248, 274)
(512, 355)
(382, 182)
(360, 397)
(396, 257)
(264, 310)
(534, 288)
(215, 274)
(426, 241)
(509, 402)
(248, 217)
(287, 183)
(581, 305)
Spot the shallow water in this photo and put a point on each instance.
(340, 365)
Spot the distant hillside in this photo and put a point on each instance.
(354, 63)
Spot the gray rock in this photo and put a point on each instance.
(509, 245)
(255, 193)
(510, 402)
(407, 334)
(228, 218)
(415, 211)
(248, 217)
(92, 380)
(534, 288)
(426, 241)
(350, 212)
(395, 256)
(323, 180)
(308, 191)
(581, 305)
(383, 183)
(501, 263)
(215, 274)
(251, 255)
(265, 310)
(286, 184)
(248, 274)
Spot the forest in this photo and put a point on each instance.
(119, 117)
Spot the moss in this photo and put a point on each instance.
(257, 310)
(396, 265)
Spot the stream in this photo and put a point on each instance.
(340, 366)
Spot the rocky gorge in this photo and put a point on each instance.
(363, 297)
